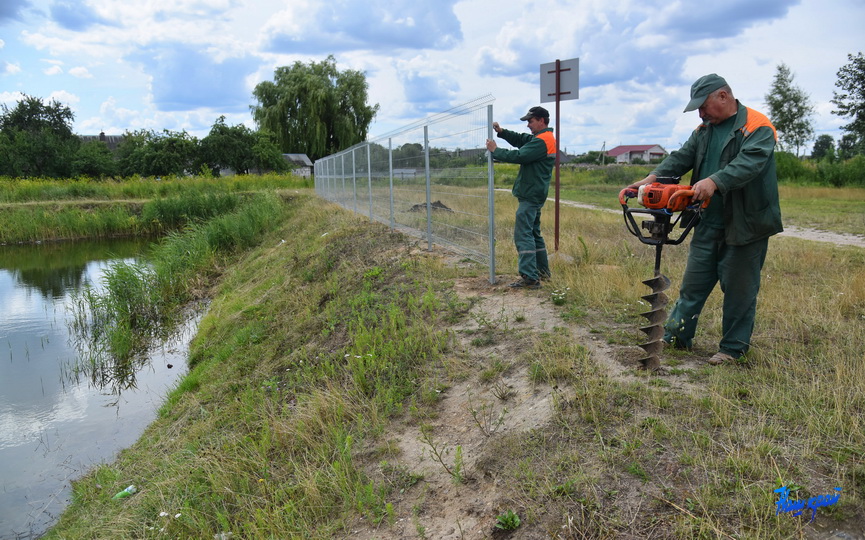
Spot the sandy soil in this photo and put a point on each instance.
(436, 507)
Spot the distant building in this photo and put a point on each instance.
(111, 141)
(301, 163)
(644, 152)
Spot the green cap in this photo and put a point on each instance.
(701, 89)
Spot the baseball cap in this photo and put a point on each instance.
(701, 89)
(536, 112)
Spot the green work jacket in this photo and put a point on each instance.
(746, 179)
(536, 156)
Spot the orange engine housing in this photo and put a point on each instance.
(673, 197)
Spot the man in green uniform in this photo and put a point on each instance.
(731, 156)
(536, 156)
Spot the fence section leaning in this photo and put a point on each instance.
(432, 179)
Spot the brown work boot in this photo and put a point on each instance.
(720, 358)
(526, 283)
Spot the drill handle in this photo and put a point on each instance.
(675, 205)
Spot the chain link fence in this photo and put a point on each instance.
(432, 179)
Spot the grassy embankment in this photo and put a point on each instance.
(315, 348)
(43, 209)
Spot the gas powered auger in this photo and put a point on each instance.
(660, 200)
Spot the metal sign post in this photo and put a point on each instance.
(560, 80)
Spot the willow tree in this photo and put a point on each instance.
(314, 108)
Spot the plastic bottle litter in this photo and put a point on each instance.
(128, 492)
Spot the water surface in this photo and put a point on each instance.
(53, 426)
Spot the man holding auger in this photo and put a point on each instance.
(536, 156)
(731, 156)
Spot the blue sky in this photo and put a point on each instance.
(180, 64)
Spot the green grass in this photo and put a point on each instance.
(144, 300)
(316, 350)
(140, 207)
(17, 190)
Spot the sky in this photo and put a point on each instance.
(180, 64)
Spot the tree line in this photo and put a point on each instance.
(311, 109)
(36, 140)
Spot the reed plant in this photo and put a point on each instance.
(71, 220)
(19, 190)
(140, 301)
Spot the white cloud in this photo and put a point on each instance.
(81, 72)
(184, 63)
(53, 70)
(10, 98)
(10, 68)
(67, 98)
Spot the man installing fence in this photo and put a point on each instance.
(536, 156)
(731, 156)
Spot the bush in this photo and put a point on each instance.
(793, 170)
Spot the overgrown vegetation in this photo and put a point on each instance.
(83, 208)
(142, 301)
(315, 348)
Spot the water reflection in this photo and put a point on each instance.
(54, 268)
(53, 426)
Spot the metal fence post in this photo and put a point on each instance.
(369, 176)
(390, 173)
(354, 181)
(491, 194)
(342, 174)
(428, 187)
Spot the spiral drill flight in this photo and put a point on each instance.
(661, 201)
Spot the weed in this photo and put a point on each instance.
(508, 521)
(501, 390)
(438, 454)
(486, 418)
(560, 296)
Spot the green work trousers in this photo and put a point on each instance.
(532, 250)
(737, 268)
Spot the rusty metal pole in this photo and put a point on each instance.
(558, 136)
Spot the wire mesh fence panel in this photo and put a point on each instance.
(432, 179)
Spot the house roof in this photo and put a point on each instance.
(299, 159)
(619, 150)
(112, 141)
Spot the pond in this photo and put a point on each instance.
(55, 425)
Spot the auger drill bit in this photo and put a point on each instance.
(660, 201)
(656, 315)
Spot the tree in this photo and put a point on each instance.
(94, 159)
(824, 146)
(266, 154)
(849, 146)
(240, 149)
(37, 139)
(790, 110)
(851, 100)
(152, 154)
(314, 109)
